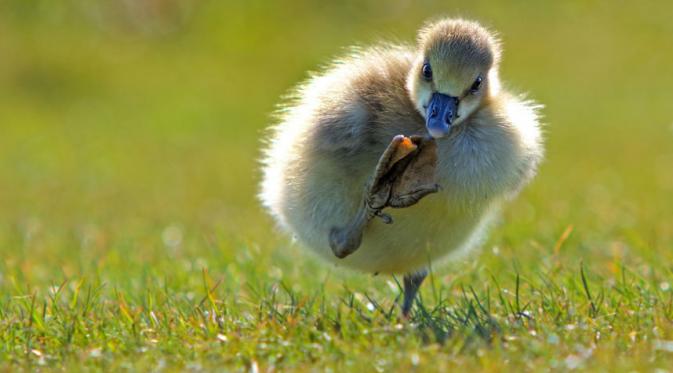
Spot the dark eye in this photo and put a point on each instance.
(427, 71)
(476, 85)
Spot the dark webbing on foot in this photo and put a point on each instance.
(401, 179)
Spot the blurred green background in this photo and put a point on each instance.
(129, 137)
(130, 130)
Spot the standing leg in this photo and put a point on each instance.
(412, 282)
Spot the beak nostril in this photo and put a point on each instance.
(449, 117)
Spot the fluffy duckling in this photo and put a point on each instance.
(335, 159)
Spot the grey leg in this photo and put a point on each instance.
(412, 282)
(346, 239)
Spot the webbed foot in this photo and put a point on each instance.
(404, 174)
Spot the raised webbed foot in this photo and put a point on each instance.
(404, 174)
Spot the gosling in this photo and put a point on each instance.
(333, 141)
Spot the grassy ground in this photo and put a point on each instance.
(130, 236)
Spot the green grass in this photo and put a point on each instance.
(131, 238)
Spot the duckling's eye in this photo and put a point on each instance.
(427, 71)
(476, 85)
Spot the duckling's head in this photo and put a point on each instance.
(454, 73)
